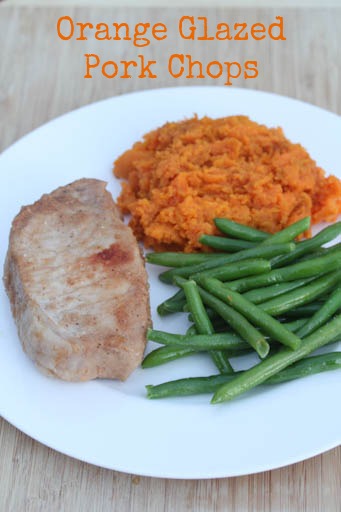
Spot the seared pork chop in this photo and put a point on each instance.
(77, 285)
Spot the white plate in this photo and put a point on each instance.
(112, 424)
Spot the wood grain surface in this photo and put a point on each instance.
(41, 77)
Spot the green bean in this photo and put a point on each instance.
(166, 354)
(219, 322)
(304, 311)
(220, 325)
(307, 366)
(221, 360)
(302, 295)
(174, 304)
(255, 252)
(246, 331)
(201, 385)
(188, 386)
(239, 269)
(240, 231)
(321, 251)
(180, 259)
(290, 233)
(237, 321)
(314, 267)
(201, 320)
(329, 308)
(199, 342)
(212, 315)
(203, 324)
(274, 364)
(191, 330)
(253, 313)
(225, 244)
(185, 272)
(294, 325)
(259, 295)
(307, 246)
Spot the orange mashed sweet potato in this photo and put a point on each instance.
(182, 175)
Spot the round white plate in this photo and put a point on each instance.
(113, 424)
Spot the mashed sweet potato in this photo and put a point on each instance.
(182, 175)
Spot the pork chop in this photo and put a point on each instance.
(77, 285)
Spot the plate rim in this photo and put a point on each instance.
(149, 92)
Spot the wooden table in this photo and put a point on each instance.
(41, 77)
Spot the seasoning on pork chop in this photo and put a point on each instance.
(78, 285)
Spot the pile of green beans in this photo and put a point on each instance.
(263, 294)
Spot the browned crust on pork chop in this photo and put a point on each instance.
(77, 284)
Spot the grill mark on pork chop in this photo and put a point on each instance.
(112, 256)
